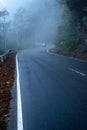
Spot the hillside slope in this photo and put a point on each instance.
(72, 33)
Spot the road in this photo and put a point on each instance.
(53, 91)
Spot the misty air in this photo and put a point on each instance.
(43, 64)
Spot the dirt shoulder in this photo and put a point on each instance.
(6, 82)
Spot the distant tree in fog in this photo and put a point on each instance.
(3, 29)
(21, 24)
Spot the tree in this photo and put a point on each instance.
(20, 25)
(3, 28)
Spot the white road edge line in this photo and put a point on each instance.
(19, 102)
(72, 58)
(78, 72)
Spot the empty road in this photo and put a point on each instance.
(51, 90)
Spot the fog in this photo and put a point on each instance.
(33, 22)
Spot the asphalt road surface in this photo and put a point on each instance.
(53, 91)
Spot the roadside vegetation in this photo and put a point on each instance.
(72, 33)
(6, 82)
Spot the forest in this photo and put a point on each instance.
(69, 37)
(72, 36)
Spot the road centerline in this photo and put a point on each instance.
(78, 72)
